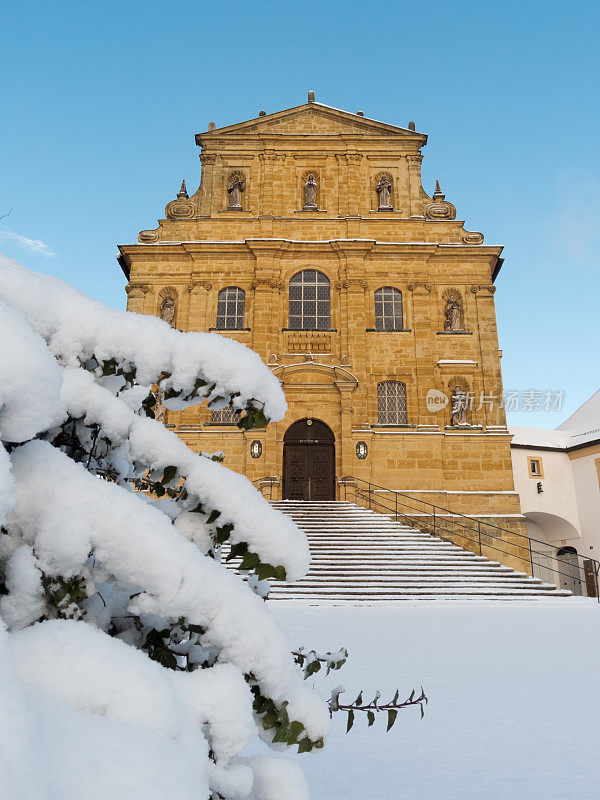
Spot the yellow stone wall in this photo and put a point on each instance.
(419, 247)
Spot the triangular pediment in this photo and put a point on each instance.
(311, 119)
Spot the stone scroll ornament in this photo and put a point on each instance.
(236, 186)
(310, 194)
(147, 237)
(440, 208)
(182, 207)
(384, 191)
(452, 314)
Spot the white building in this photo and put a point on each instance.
(557, 475)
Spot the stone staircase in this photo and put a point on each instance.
(362, 556)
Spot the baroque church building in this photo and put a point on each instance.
(312, 241)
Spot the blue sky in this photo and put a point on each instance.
(100, 103)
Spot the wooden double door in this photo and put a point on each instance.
(309, 461)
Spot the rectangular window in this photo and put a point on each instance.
(388, 309)
(230, 308)
(536, 467)
(391, 403)
(224, 415)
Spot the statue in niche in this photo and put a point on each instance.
(160, 412)
(452, 313)
(310, 193)
(460, 402)
(384, 190)
(167, 310)
(234, 190)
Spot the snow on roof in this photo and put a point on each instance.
(581, 427)
(538, 437)
(586, 419)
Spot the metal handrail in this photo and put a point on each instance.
(270, 480)
(440, 518)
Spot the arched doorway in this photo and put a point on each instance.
(568, 569)
(309, 461)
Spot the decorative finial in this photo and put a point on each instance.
(437, 195)
(360, 113)
(411, 126)
(262, 113)
(183, 191)
(311, 97)
(212, 126)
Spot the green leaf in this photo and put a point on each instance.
(295, 730)
(168, 475)
(223, 532)
(250, 562)
(304, 745)
(313, 667)
(109, 367)
(254, 418)
(392, 714)
(269, 720)
(237, 549)
(214, 514)
(280, 573)
(371, 717)
(422, 712)
(148, 405)
(350, 720)
(282, 734)
(359, 699)
(396, 696)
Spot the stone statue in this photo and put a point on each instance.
(310, 194)
(234, 190)
(452, 312)
(167, 310)
(384, 189)
(460, 402)
(160, 412)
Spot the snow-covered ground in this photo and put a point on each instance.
(514, 700)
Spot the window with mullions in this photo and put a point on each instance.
(310, 303)
(388, 309)
(230, 308)
(224, 415)
(391, 403)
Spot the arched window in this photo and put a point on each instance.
(391, 403)
(310, 304)
(230, 308)
(388, 309)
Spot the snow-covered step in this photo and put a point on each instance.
(359, 555)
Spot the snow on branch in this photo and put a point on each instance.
(237, 512)
(191, 367)
(65, 514)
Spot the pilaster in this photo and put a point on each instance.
(197, 293)
(414, 184)
(423, 324)
(207, 192)
(491, 375)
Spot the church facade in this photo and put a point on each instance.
(312, 241)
